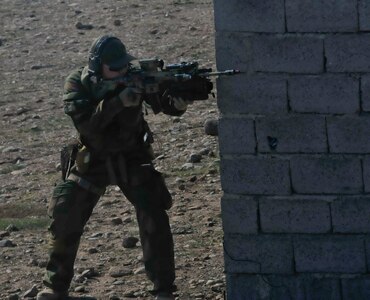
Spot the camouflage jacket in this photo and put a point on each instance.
(104, 125)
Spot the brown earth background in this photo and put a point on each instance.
(41, 42)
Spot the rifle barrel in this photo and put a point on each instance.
(218, 73)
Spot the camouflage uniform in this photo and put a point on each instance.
(112, 151)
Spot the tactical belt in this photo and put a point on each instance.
(86, 184)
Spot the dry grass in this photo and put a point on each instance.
(25, 223)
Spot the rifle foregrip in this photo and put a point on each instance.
(197, 88)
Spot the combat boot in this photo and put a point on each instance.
(164, 296)
(49, 294)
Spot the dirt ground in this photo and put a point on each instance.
(41, 42)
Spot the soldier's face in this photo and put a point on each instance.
(109, 74)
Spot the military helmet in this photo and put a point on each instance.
(108, 50)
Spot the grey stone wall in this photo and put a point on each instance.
(294, 137)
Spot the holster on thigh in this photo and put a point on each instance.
(70, 208)
(62, 199)
(68, 158)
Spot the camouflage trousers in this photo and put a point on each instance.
(72, 204)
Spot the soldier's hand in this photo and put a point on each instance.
(107, 86)
(131, 96)
(179, 103)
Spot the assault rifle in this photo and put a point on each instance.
(185, 80)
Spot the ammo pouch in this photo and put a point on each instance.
(68, 158)
(82, 159)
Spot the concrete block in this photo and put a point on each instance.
(349, 134)
(270, 53)
(348, 53)
(262, 287)
(322, 288)
(282, 287)
(326, 175)
(244, 94)
(249, 15)
(291, 134)
(258, 254)
(294, 216)
(364, 13)
(256, 176)
(367, 247)
(366, 176)
(351, 215)
(239, 215)
(290, 54)
(233, 51)
(321, 15)
(356, 288)
(241, 141)
(329, 254)
(240, 285)
(337, 94)
(365, 93)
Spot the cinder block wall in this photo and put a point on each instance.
(294, 138)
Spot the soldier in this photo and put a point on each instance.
(114, 148)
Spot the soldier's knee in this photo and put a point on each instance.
(151, 193)
(62, 199)
(64, 242)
